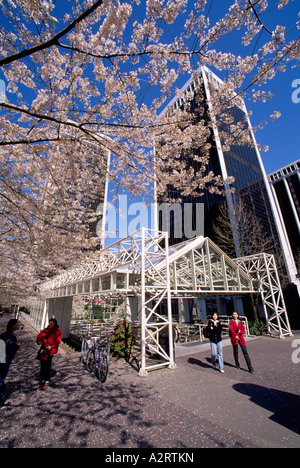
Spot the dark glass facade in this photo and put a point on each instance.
(286, 186)
(243, 163)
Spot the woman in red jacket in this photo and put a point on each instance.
(50, 339)
(236, 331)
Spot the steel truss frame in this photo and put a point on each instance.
(155, 287)
(155, 273)
(200, 266)
(262, 268)
(137, 254)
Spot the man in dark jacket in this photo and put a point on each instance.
(11, 347)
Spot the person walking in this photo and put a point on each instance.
(236, 331)
(50, 339)
(214, 332)
(11, 347)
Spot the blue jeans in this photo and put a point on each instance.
(217, 349)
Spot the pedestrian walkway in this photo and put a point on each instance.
(187, 349)
(192, 406)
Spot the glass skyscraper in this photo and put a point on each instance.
(242, 161)
(285, 184)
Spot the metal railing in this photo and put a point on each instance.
(195, 332)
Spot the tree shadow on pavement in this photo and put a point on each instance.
(284, 406)
(197, 362)
(206, 365)
(76, 411)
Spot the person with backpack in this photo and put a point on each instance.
(9, 351)
(236, 332)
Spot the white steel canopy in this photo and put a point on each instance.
(199, 266)
(262, 268)
(195, 266)
(143, 265)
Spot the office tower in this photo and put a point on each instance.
(98, 198)
(89, 180)
(242, 161)
(285, 186)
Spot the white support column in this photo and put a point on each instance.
(44, 318)
(273, 299)
(262, 267)
(169, 305)
(155, 289)
(292, 203)
(143, 308)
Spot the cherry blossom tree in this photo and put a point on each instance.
(88, 78)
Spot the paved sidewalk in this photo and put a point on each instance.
(193, 406)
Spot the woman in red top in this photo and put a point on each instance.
(50, 338)
(236, 331)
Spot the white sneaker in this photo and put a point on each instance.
(221, 370)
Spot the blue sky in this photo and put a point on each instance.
(283, 135)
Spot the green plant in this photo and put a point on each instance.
(257, 328)
(99, 312)
(123, 340)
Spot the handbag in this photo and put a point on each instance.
(43, 352)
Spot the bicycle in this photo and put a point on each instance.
(86, 344)
(97, 359)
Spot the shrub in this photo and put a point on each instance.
(122, 340)
(257, 328)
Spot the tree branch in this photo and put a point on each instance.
(28, 141)
(53, 41)
(135, 54)
(258, 18)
